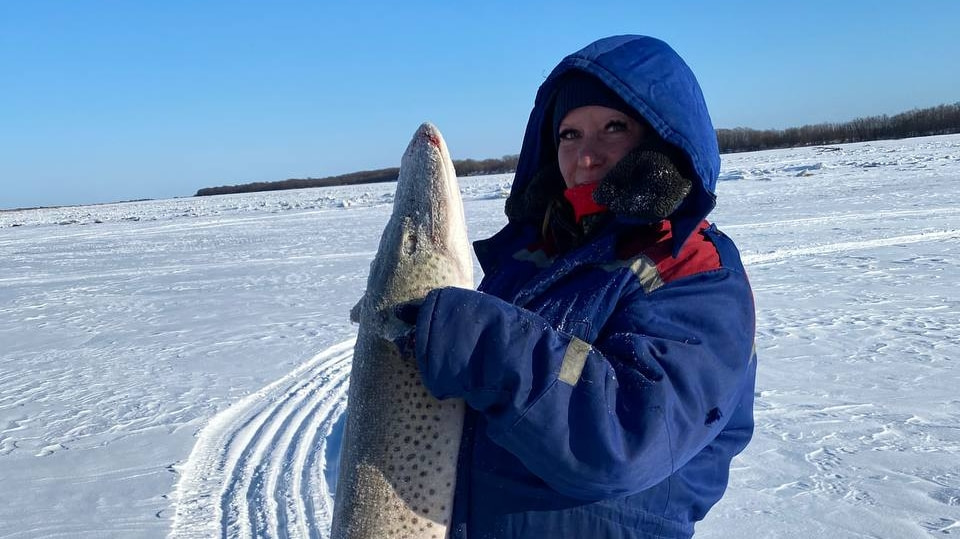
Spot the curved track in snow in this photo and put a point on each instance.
(257, 467)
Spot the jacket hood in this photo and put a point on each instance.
(652, 78)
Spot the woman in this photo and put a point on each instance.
(606, 360)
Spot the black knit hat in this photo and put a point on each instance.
(578, 89)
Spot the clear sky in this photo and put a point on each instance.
(126, 99)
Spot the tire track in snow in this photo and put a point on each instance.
(166, 270)
(842, 217)
(256, 468)
(754, 259)
(249, 507)
(292, 482)
(315, 499)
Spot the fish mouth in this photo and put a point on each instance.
(431, 134)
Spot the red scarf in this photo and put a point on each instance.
(581, 198)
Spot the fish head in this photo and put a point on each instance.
(428, 201)
(424, 245)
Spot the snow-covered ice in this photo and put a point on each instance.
(180, 365)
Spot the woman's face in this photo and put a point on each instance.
(592, 140)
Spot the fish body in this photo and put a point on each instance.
(400, 446)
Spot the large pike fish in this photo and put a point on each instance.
(399, 456)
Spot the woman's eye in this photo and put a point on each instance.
(616, 125)
(568, 134)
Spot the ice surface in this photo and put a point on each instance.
(172, 351)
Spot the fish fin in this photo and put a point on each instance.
(357, 310)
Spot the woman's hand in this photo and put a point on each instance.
(407, 313)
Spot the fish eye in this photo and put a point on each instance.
(408, 241)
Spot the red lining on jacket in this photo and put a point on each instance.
(698, 254)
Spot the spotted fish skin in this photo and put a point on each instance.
(400, 446)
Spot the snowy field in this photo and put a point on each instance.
(180, 365)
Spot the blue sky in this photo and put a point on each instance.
(116, 100)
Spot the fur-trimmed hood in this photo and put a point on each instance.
(652, 78)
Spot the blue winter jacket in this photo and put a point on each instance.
(608, 387)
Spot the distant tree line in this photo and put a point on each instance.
(940, 120)
(366, 176)
(472, 167)
(465, 167)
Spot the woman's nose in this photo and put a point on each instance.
(589, 156)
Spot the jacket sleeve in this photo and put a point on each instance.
(603, 419)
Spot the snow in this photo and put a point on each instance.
(180, 365)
